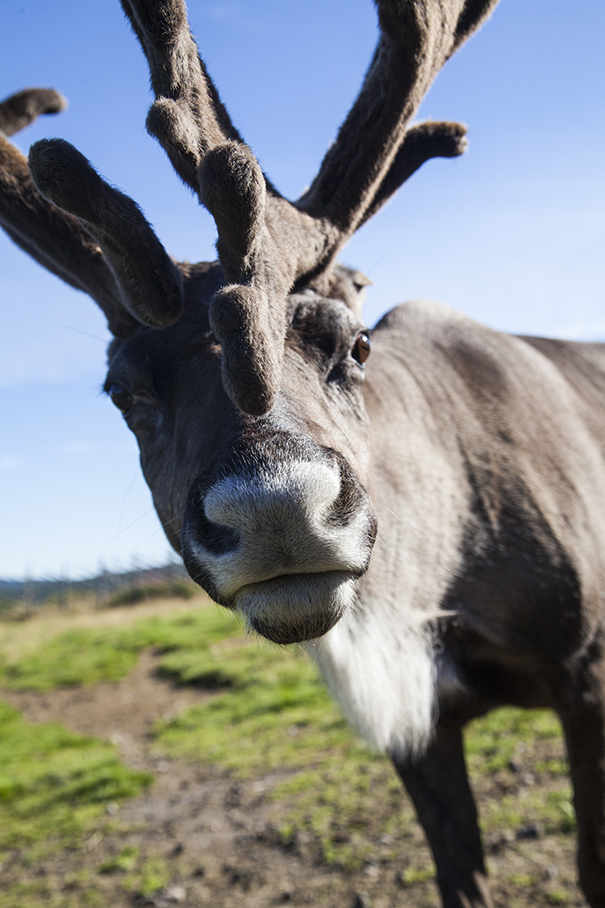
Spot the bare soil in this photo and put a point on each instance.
(218, 837)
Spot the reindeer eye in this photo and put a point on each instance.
(361, 348)
(121, 398)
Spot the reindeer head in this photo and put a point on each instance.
(243, 380)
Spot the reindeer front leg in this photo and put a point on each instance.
(439, 788)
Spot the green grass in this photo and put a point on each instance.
(78, 657)
(153, 875)
(493, 741)
(54, 783)
(125, 860)
(268, 713)
(85, 656)
(273, 712)
(558, 897)
(412, 875)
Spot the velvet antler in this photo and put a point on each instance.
(266, 244)
(56, 240)
(149, 282)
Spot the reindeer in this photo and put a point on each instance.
(429, 522)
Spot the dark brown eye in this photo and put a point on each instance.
(361, 348)
(121, 398)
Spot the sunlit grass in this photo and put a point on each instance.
(268, 714)
(54, 782)
(83, 656)
(492, 742)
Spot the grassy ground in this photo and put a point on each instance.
(264, 733)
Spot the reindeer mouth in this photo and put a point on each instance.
(294, 608)
(281, 541)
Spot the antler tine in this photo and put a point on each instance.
(475, 12)
(264, 243)
(417, 37)
(140, 275)
(56, 240)
(420, 143)
(150, 284)
(25, 106)
(187, 117)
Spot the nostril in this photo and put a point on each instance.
(345, 507)
(222, 504)
(216, 539)
(280, 515)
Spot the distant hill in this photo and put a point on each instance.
(103, 585)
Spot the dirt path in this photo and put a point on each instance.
(217, 839)
(121, 712)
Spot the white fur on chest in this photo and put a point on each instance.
(383, 675)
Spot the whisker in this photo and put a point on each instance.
(132, 523)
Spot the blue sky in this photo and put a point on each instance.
(512, 233)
